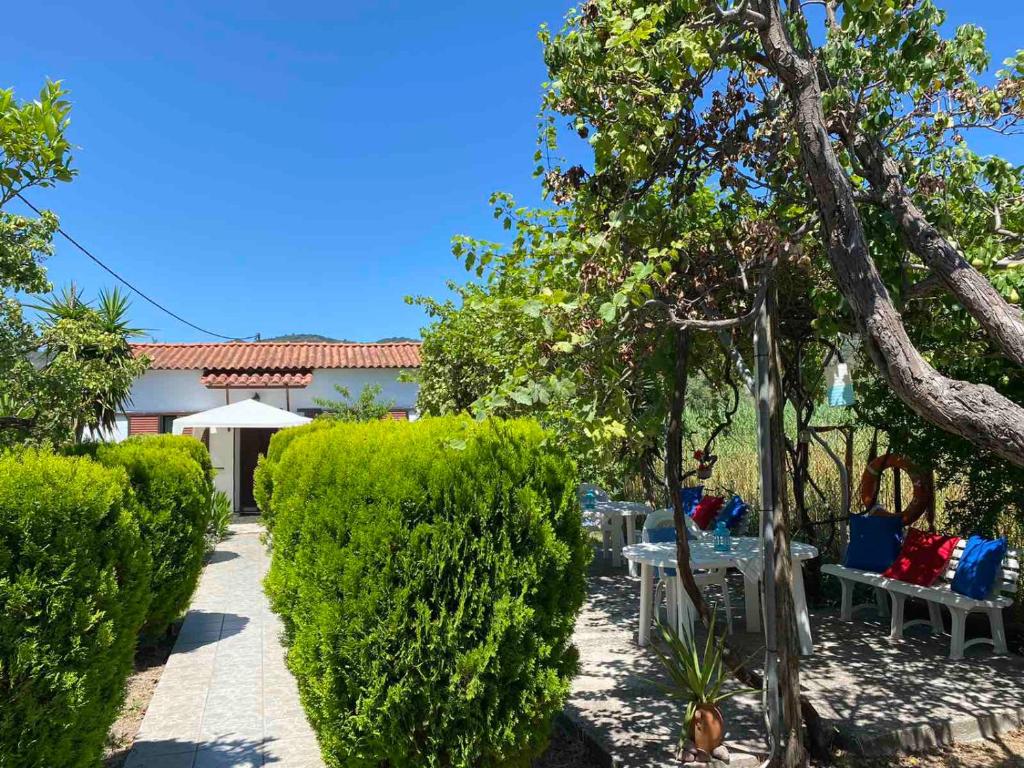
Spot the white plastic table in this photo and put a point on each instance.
(745, 556)
(612, 514)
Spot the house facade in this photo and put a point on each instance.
(186, 379)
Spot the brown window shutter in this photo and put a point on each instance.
(143, 425)
(187, 431)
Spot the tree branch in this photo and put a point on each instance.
(721, 324)
(976, 412)
(1001, 320)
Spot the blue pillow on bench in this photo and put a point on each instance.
(979, 567)
(733, 513)
(875, 542)
(691, 498)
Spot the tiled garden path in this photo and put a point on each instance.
(226, 697)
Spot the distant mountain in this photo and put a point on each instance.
(316, 337)
(303, 337)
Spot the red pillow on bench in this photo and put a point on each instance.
(707, 510)
(923, 558)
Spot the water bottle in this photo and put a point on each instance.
(590, 500)
(723, 539)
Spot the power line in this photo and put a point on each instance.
(132, 288)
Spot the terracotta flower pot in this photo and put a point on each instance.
(708, 728)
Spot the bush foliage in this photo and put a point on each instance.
(172, 480)
(74, 589)
(429, 575)
(263, 478)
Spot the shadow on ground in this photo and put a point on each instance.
(878, 694)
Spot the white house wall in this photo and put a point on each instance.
(181, 392)
(222, 456)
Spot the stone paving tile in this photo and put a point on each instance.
(226, 697)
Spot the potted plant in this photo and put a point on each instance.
(697, 678)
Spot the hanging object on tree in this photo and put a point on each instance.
(705, 464)
(840, 391)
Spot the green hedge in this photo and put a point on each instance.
(173, 487)
(429, 575)
(73, 594)
(200, 453)
(263, 478)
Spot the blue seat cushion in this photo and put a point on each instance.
(659, 536)
(733, 513)
(979, 567)
(691, 498)
(875, 542)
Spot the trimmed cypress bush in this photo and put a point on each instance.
(174, 495)
(200, 453)
(74, 582)
(263, 478)
(429, 575)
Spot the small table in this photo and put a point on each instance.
(613, 513)
(745, 556)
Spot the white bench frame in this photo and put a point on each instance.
(936, 596)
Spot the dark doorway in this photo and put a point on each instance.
(251, 443)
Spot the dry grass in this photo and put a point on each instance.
(1006, 751)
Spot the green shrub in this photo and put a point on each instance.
(263, 478)
(220, 518)
(174, 508)
(190, 445)
(429, 575)
(74, 587)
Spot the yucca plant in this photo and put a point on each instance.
(696, 678)
(220, 518)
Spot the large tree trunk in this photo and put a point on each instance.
(1001, 320)
(781, 646)
(733, 659)
(975, 412)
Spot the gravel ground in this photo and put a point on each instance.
(567, 750)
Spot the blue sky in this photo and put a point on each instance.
(279, 168)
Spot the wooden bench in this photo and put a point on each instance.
(936, 596)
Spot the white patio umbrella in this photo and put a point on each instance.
(245, 414)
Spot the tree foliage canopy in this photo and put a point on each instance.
(73, 370)
(701, 186)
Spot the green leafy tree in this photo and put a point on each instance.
(366, 407)
(73, 371)
(742, 156)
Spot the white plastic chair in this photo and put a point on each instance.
(664, 518)
(611, 534)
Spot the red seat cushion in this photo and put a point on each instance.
(923, 558)
(707, 510)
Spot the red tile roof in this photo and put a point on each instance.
(267, 356)
(233, 379)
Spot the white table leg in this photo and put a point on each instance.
(752, 603)
(684, 610)
(631, 539)
(671, 604)
(646, 601)
(616, 525)
(803, 619)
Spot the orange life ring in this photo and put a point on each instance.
(924, 487)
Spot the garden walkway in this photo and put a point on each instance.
(879, 696)
(226, 697)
